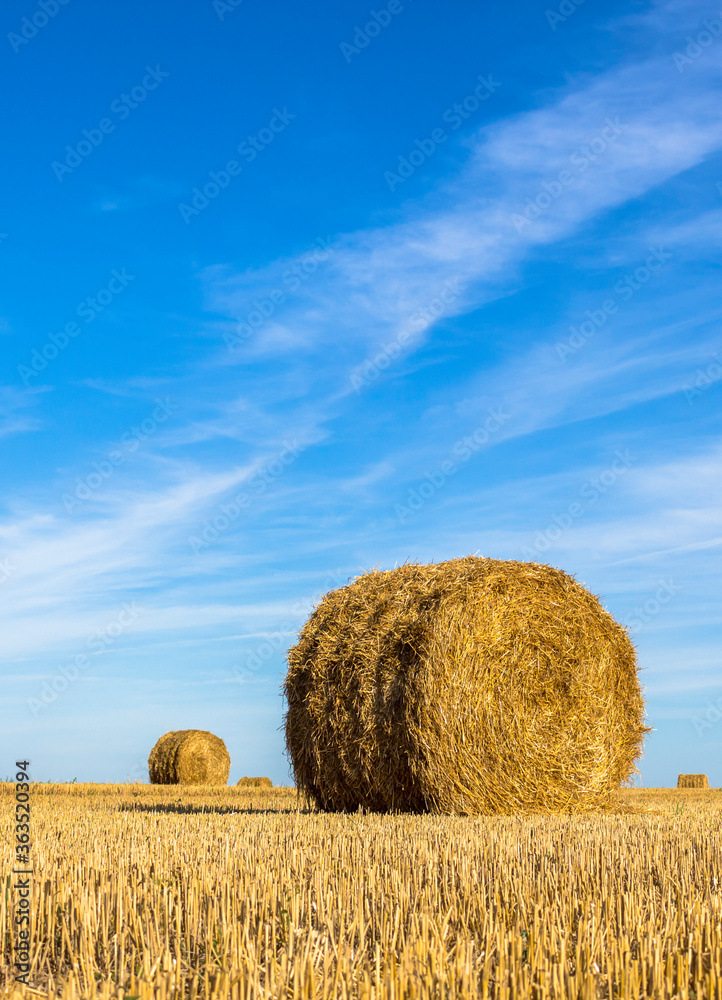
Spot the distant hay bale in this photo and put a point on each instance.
(254, 783)
(470, 686)
(189, 757)
(692, 781)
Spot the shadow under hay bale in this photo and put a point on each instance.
(254, 783)
(470, 686)
(692, 781)
(189, 757)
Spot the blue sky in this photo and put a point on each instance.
(291, 293)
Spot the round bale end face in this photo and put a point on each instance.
(471, 686)
(189, 757)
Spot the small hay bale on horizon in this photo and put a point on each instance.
(189, 757)
(254, 783)
(692, 781)
(472, 686)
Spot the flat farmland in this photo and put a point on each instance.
(147, 891)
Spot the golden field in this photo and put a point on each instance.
(148, 891)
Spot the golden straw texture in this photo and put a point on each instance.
(692, 781)
(254, 783)
(189, 757)
(470, 686)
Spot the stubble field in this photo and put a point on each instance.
(142, 891)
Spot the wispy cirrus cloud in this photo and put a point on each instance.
(618, 137)
(14, 415)
(375, 280)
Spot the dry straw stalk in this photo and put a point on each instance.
(692, 781)
(141, 896)
(189, 757)
(470, 686)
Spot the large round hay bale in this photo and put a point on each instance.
(254, 783)
(189, 757)
(692, 781)
(471, 686)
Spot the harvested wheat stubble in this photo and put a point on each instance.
(254, 783)
(189, 757)
(692, 781)
(471, 686)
